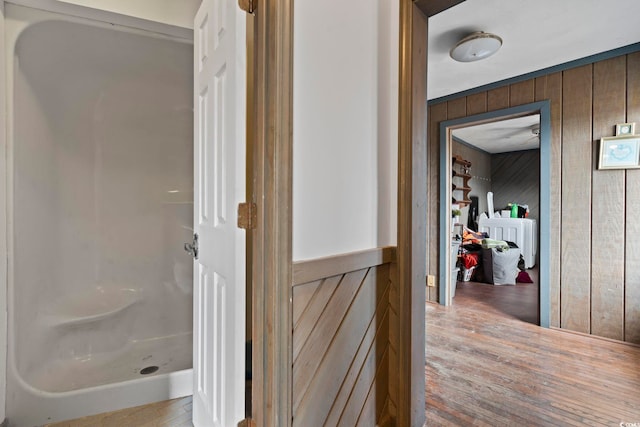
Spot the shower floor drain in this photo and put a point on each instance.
(148, 370)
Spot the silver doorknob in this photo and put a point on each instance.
(192, 248)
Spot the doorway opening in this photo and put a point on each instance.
(488, 161)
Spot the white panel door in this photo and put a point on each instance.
(219, 185)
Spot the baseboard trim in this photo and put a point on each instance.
(582, 334)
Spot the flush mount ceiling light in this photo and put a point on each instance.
(476, 46)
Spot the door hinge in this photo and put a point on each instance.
(248, 6)
(247, 422)
(247, 215)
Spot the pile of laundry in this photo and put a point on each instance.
(471, 258)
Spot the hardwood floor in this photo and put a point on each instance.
(487, 367)
(519, 301)
(170, 413)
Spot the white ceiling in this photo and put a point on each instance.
(503, 136)
(536, 34)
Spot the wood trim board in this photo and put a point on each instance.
(320, 268)
(408, 394)
(272, 191)
(3, 219)
(544, 109)
(503, 85)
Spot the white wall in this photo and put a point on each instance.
(344, 126)
(173, 12)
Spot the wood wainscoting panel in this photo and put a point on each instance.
(307, 344)
(310, 311)
(320, 268)
(341, 344)
(394, 328)
(304, 296)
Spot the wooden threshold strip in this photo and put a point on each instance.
(320, 268)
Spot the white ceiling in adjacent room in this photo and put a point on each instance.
(503, 136)
(536, 35)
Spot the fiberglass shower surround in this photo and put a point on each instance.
(100, 289)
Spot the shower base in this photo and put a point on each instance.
(168, 354)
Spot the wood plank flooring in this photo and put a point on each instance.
(519, 301)
(487, 367)
(170, 413)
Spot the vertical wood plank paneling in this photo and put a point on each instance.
(457, 108)
(550, 87)
(477, 103)
(437, 114)
(480, 184)
(498, 98)
(576, 199)
(608, 213)
(632, 246)
(578, 117)
(515, 178)
(522, 93)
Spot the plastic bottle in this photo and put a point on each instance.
(514, 210)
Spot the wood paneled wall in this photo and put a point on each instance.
(480, 171)
(341, 340)
(515, 178)
(595, 221)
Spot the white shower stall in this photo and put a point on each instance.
(100, 203)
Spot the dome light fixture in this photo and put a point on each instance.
(476, 46)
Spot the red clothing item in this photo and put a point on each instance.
(470, 260)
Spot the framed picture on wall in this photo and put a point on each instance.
(619, 152)
(625, 129)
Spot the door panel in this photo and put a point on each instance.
(219, 181)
